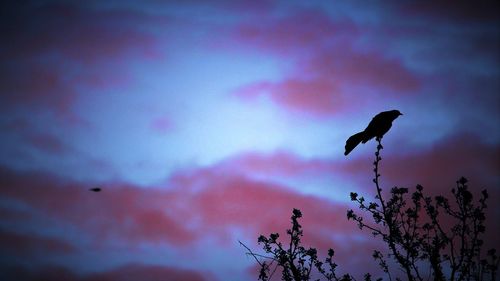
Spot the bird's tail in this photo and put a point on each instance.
(353, 141)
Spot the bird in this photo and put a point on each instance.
(377, 128)
(95, 189)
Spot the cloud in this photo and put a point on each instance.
(330, 71)
(210, 204)
(198, 205)
(312, 30)
(435, 166)
(316, 96)
(335, 66)
(48, 143)
(220, 202)
(75, 32)
(116, 212)
(54, 49)
(440, 165)
(371, 67)
(35, 85)
(280, 163)
(226, 203)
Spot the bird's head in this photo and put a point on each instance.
(395, 113)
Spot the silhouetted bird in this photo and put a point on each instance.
(95, 189)
(379, 125)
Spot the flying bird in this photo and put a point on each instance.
(377, 128)
(95, 189)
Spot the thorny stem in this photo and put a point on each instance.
(377, 175)
(387, 217)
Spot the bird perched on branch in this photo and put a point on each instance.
(377, 128)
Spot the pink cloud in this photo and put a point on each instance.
(317, 96)
(36, 85)
(79, 33)
(329, 72)
(115, 212)
(48, 143)
(224, 201)
(280, 164)
(221, 201)
(213, 201)
(436, 167)
(371, 68)
(312, 30)
(227, 201)
(239, 196)
(54, 49)
(440, 165)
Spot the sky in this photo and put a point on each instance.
(206, 122)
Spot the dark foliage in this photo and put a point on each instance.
(427, 238)
(295, 261)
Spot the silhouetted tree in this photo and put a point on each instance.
(422, 234)
(296, 262)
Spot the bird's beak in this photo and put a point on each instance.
(400, 113)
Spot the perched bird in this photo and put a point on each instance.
(379, 125)
(95, 189)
